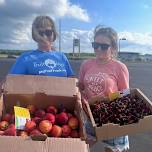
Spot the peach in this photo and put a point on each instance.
(7, 117)
(52, 109)
(35, 132)
(4, 125)
(74, 134)
(39, 113)
(30, 125)
(10, 131)
(56, 131)
(1, 133)
(45, 126)
(73, 122)
(62, 118)
(49, 117)
(66, 130)
(36, 120)
(31, 108)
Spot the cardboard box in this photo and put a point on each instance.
(30, 84)
(111, 130)
(42, 91)
(19, 144)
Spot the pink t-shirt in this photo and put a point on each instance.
(102, 79)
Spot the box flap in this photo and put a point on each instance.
(17, 144)
(30, 84)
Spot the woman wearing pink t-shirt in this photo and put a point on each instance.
(102, 76)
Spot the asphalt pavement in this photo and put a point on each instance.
(140, 77)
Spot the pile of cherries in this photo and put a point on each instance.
(122, 111)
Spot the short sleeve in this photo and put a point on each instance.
(68, 67)
(19, 67)
(123, 77)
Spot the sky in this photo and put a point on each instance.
(132, 19)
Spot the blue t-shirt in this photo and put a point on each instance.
(38, 62)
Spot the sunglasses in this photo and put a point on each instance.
(46, 32)
(103, 46)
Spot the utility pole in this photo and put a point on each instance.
(119, 45)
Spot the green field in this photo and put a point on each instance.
(3, 55)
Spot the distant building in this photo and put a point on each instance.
(129, 56)
(148, 57)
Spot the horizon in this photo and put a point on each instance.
(9, 50)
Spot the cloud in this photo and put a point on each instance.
(57, 8)
(16, 17)
(78, 13)
(2, 2)
(135, 42)
(85, 37)
(137, 38)
(146, 6)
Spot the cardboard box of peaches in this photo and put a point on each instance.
(127, 113)
(55, 122)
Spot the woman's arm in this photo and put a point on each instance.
(123, 78)
(81, 86)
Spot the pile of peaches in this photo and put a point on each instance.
(52, 121)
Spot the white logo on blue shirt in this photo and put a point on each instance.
(50, 63)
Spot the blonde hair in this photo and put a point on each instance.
(42, 22)
(109, 33)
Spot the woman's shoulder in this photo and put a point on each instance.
(58, 53)
(27, 54)
(88, 61)
(119, 64)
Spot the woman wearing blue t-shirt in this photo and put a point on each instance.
(44, 60)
